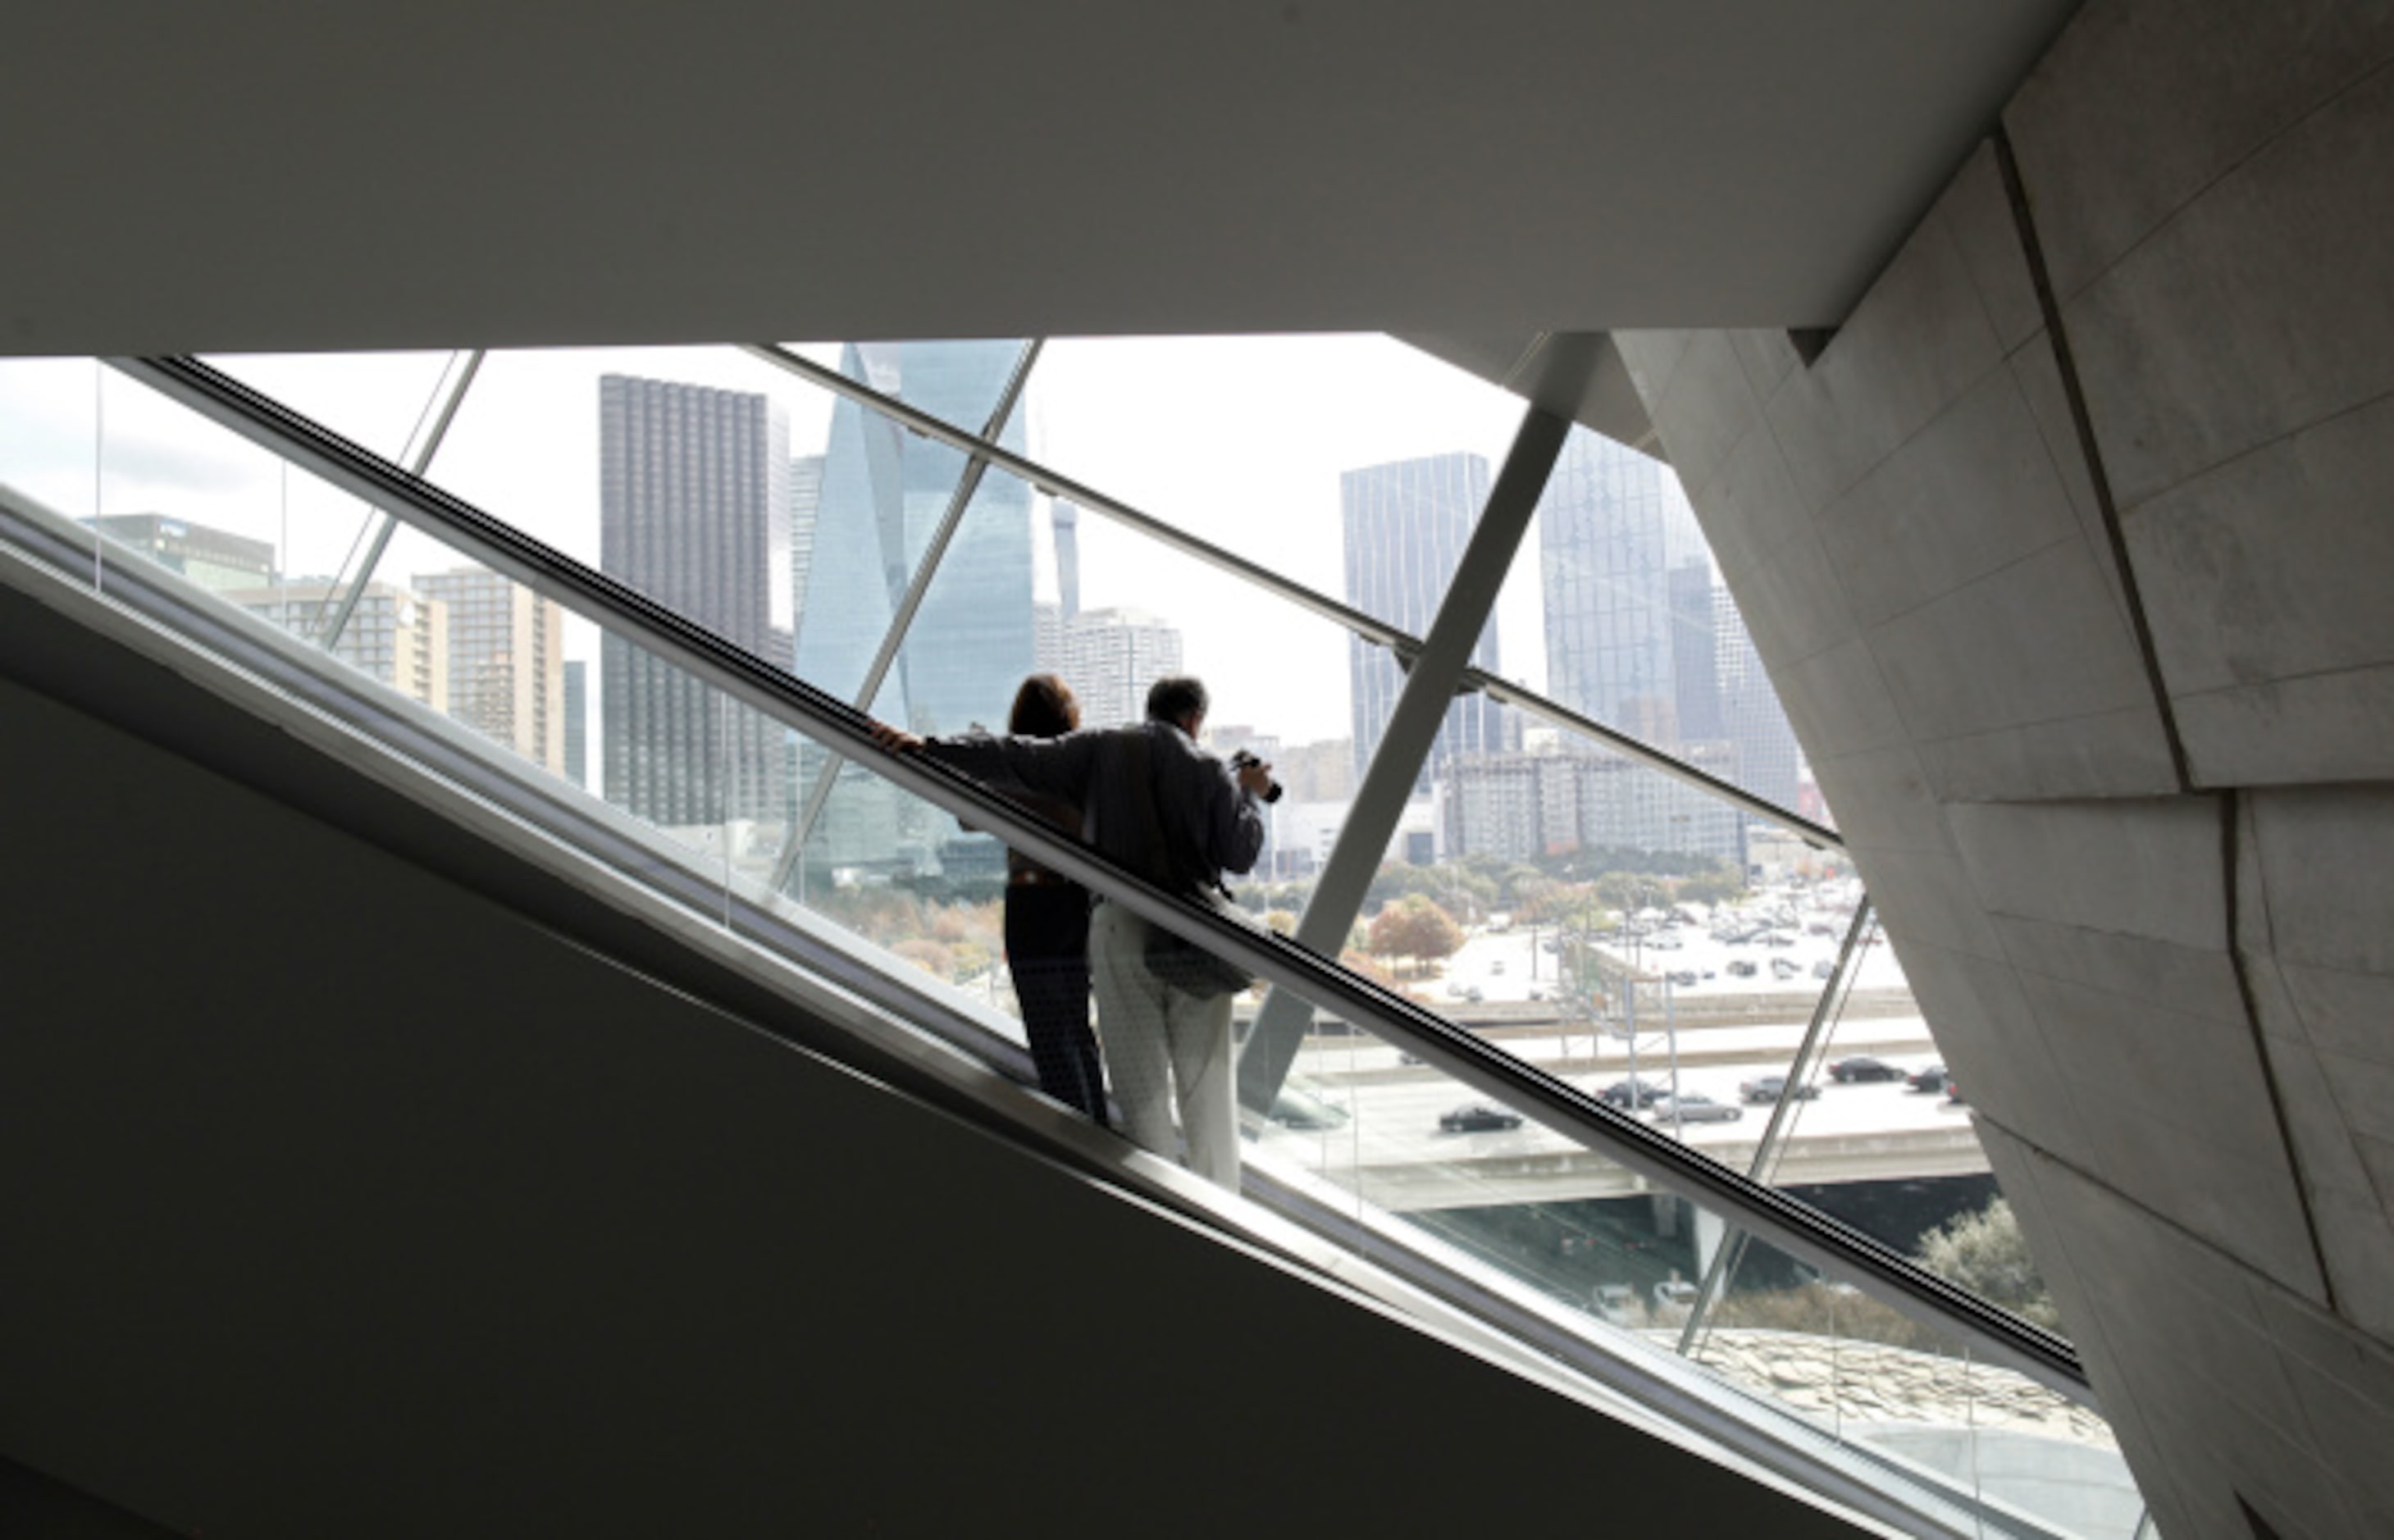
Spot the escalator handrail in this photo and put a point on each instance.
(1774, 1217)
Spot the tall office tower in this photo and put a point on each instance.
(1405, 525)
(577, 722)
(506, 661)
(1612, 527)
(213, 558)
(394, 634)
(1696, 650)
(884, 492)
(1109, 657)
(806, 497)
(694, 512)
(1064, 523)
(1753, 720)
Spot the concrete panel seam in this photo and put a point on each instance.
(2302, 677)
(2258, 447)
(2230, 821)
(2227, 170)
(2023, 220)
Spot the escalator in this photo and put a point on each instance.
(1335, 1207)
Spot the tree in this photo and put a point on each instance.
(1986, 1254)
(1710, 888)
(1415, 928)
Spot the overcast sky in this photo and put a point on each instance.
(1240, 440)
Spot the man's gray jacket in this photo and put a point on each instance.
(1211, 823)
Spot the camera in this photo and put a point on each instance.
(1242, 760)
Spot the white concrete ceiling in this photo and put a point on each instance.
(252, 176)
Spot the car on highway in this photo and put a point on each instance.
(1773, 1087)
(1930, 1078)
(1633, 1093)
(1862, 1066)
(1691, 1108)
(1477, 1117)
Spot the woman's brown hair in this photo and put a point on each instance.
(1043, 708)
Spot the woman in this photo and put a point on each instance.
(1047, 925)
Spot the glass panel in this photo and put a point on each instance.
(1889, 1147)
(1638, 631)
(49, 432)
(1877, 1377)
(1401, 1141)
(1623, 929)
(387, 402)
(178, 492)
(1254, 444)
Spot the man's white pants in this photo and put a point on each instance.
(1158, 1041)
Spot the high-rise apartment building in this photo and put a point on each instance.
(1521, 805)
(393, 635)
(506, 661)
(695, 512)
(1405, 526)
(1109, 657)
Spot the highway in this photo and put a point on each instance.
(1385, 1137)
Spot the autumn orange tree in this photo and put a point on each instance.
(1415, 928)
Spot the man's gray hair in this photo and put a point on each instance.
(1175, 696)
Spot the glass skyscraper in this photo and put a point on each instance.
(1406, 524)
(1611, 530)
(881, 498)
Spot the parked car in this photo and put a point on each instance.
(1685, 978)
(1618, 1303)
(1673, 1291)
(1691, 1108)
(1933, 1078)
(1824, 969)
(1864, 1067)
(1773, 1087)
(1477, 1117)
(1633, 1093)
(1782, 969)
(1742, 970)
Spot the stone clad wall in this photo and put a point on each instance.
(2133, 832)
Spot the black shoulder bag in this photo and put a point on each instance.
(1183, 965)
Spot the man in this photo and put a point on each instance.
(1164, 1045)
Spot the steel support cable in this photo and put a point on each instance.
(1403, 643)
(1776, 1217)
